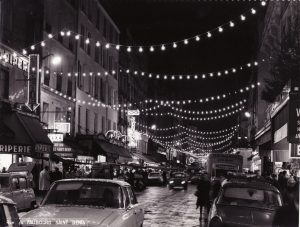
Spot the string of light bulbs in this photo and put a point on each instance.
(151, 48)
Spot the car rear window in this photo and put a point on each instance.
(154, 174)
(239, 196)
(4, 182)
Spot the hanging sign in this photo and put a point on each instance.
(133, 112)
(33, 83)
(56, 137)
(294, 119)
(62, 127)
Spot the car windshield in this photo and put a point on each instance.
(178, 175)
(4, 182)
(101, 194)
(251, 197)
(154, 174)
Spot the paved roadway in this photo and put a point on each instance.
(166, 208)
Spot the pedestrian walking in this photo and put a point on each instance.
(56, 175)
(202, 194)
(44, 181)
(288, 215)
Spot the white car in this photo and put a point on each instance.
(155, 177)
(17, 187)
(8, 213)
(87, 202)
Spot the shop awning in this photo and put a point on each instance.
(109, 149)
(147, 158)
(22, 134)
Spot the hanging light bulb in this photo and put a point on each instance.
(186, 41)
(197, 38)
(50, 36)
(24, 52)
(43, 44)
(118, 47)
(174, 45)
(231, 24)
(87, 41)
(32, 47)
(208, 34)
(263, 3)
(163, 48)
(77, 37)
(220, 29)
(107, 45)
(68, 33)
(140, 49)
(62, 33)
(97, 44)
(253, 11)
(128, 49)
(151, 48)
(243, 17)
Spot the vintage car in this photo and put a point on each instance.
(195, 178)
(178, 180)
(17, 187)
(8, 213)
(244, 203)
(155, 178)
(87, 202)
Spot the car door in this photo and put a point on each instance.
(137, 208)
(17, 193)
(129, 217)
(27, 198)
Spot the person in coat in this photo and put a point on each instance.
(44, 181)
(202, 193)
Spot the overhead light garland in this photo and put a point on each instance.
(151, 48)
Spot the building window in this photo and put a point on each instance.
(115, 97)
(48, 28)
(79, 117)
(108, 124)
(109, 96)
(103, 124)
(96, 87)
(70, 85)
(45, 113)
(60, 38)
(79, 75)
(97, 53)
(89, 45)
(82, 33)
(111, 34)
(102, 52)
(91, 85)
(46, 76)
(87, 121)
(58, 82)
(57, 114)
(71, 44)
(115, 126)
(104, 27)
(110, 64)
(98, 19)
(96, 123)
(102, 91)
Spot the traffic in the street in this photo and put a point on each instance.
(149, 113)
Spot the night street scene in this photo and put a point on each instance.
(149, 113)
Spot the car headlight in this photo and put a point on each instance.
(183, 182)
(171, 182)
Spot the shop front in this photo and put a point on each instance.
(22, 139)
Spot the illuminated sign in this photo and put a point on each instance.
(61, 148)
(132, 135)
(62, 127)
(15, 149)
(133, 112)
(33, 83)
(112, 134)
(56, 137)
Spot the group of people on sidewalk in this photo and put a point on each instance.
(46, 178)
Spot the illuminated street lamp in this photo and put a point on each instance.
(56, 60)
(153, 127)
(247, 114)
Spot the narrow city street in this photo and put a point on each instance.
(164, 207)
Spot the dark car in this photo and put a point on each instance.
(178, 180)
(195, 178)
(8, 213)
(155, 178)
(245, 203)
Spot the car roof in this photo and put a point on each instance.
(4, 200)
(118, 182)
(250, 184)
(12, 174)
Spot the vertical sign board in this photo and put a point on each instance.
(33, 84)
(131, 132)
(294, 119)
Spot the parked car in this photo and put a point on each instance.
(17, 187)
(155, 178)
(178, 180)
(195, 178)
(244, 203)
(8, 213)
(89, 202)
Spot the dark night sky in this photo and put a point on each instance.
(155, 22)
